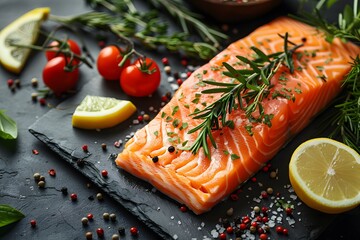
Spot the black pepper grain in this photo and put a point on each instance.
(171, 149)
(121, 231)
(64, 190)
(155, 159)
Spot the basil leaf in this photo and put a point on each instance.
(8, 128)
(9, 215)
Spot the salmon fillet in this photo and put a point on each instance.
(199, 182)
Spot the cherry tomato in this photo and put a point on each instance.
(108, 62)
(71, 45)
(140, 79)
(57, 78)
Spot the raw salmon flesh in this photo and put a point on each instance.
(199, 182)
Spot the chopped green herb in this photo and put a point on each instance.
(234, 156)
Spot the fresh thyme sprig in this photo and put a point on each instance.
(346, 119)
(249, 88)
(125, 21)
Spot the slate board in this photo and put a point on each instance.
(152, 207)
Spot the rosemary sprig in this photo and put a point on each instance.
(126, 22)
(188, 19)
(346, 119)
(249, 88)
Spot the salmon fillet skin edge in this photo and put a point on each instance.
(199, 182)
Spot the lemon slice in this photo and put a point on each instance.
(96, 112)
(325, 174)
(24, 31)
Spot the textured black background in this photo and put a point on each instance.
(56, 215)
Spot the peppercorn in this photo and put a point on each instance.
(183, 208)
(146, 117)
(121, 231)
(266, 228)
(37, 176)
(106, 216)
(64, 190)
(90, 216)
(42, 178)
(242, 226)
(171, 149)
(41, 184)
(89, 235)
(34, 97)
(155, 159)
(33, 223)
(99, 196)
(222, 236)
(17, 83)
(42, 101)
(253, 229)
(103, 146)
(115, 237)
(104, 173)
(279, 229)
(288, 210)
(269, 190)
(34, 82)
(165, 61)
(52, 172)
(285, 231)
(134, 231)
(264, 195)
(140, 118)
(113, 217)
(85, 148)
(100, 232)
(256, 209)
(253, 179)
(263, 236)
(265, 219)
(167, 69)
(73, 197)
(179, 81)
(10, 82)
(230, 212)
(273, 174)
(230, 230)
(85, 221)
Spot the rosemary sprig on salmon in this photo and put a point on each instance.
(246, 92)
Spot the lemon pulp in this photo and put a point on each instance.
(23, 31)
(325, 174)
(96, 112)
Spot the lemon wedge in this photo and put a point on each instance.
(325, 174)
(96, 112)
(25, 31)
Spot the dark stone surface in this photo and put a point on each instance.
(156, 215)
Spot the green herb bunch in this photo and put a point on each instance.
(247, 91)
(346, 120)
(122, 18)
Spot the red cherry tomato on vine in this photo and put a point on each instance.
(57, 78)
(140, 79)
(71, 45)
(108, 63)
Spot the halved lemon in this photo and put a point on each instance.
(96, 112)
(22, 31)
(325, 174)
